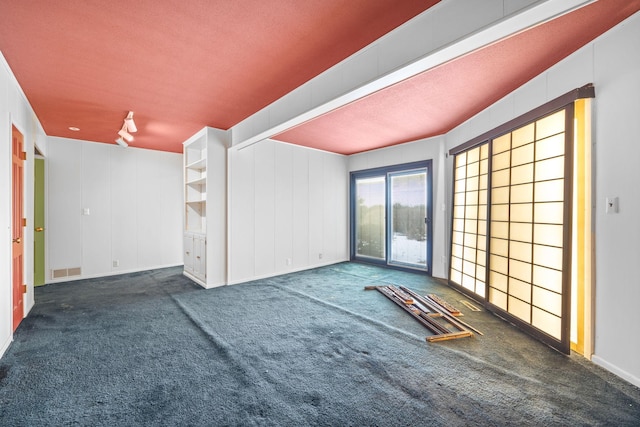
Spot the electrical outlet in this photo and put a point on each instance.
(116, 263)
(288, 261)
(320, 255)
(611, 205)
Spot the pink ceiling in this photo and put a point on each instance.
(184, 65)
(178, 65)
(439, 99)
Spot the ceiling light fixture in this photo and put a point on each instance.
(128, 126)
(131, 126)
(124, 134)
(73, 128)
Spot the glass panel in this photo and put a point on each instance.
(500, 213)
(456, 276)
(502, 143)
(473, 155)
(520, 232)
(408, 198)
(456, 263)
(546, 234)
(522, 193)
(550, 125)
(498, 298)
(549, 213)
(501, 161)
(550, 169)
(457, 237)
(522, 212)
(469, 268)
(548, 256)
(499, 264)
(550, 191)
(473, 169)
(500, 247)
(520, 289)
(547, 322)
(500, 195)
(520, 309)
(547, 300)
(461, 159)
(471, 212)
(484, 166)
(550, 147)
(522, 136)
(472, 183)
(522, 155)
(459, 198)
(547, 278)
(370, 217)
(520, 251)
(500, 178)
(472, 198)
(520, 270)
(461, 172)
(522, 174)
(500, 229)
(470, 240)
(468, 282)
(498, 281)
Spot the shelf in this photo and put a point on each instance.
(198, 181)
(198, 165)
(191, 202)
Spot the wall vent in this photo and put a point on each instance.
(65, 272)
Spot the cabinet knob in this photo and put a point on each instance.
(17, 240)
(187, 252)
(38, 229)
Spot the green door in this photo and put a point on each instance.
(38, 223)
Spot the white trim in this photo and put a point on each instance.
(107, 274)
(614, 369)
(282, 273)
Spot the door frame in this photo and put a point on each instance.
(385, 170)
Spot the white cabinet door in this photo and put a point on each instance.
(200, 257)
(188, 253)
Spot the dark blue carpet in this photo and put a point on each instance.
(309, 348)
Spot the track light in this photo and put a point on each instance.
(127, 126)
(131, 126)
(121, 142)
(124, 134)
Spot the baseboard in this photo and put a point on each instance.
(5, 345)
(614, 369)
(110, 273)
(281, 273)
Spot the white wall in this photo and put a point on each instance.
(15, 109)
(425, 149)
(612, 64)
(134, 198)
(287, 210)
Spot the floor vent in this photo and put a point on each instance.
(65, 272)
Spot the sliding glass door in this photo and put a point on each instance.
(408, 200)
(370, 217)
(390, 216)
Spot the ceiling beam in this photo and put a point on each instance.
(449, 30)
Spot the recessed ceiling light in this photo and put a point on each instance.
(73, 128)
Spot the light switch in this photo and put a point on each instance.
(611, 205)
(86, 211)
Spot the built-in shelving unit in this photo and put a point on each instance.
(205, 207)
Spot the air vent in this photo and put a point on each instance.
(66, 272)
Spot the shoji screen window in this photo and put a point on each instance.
(527, 242)
(469, 238)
